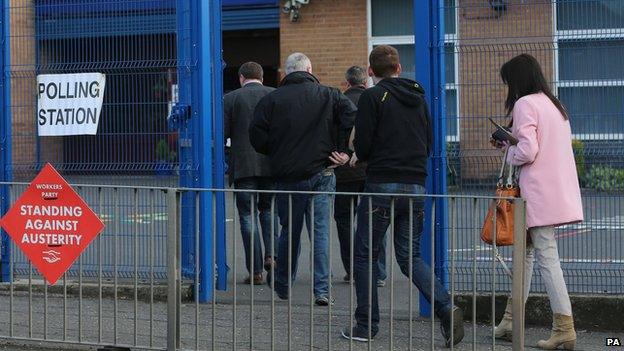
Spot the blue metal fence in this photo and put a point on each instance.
(161, 59)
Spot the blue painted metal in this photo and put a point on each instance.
(188, 128)
(53, 7)
(250, 18)
(145, 23)
(199, 48)
(249, 2)
(218, 143)
(63, 27)
(429, 56)
(205, 63)
(5, 134)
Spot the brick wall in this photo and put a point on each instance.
(24, 96)
(23, 86)
(487, 39)
(333, 34)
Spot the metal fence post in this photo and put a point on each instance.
(519, 254)
(218, 143)
(173, 270)
(429, 57)
(188, 125)
(5, 133)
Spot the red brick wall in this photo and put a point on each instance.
(333, 34)
(488, 39)
(23, 85)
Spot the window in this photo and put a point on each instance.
(392, 23)
(590, 76)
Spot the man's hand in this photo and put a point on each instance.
(353, 160)
(338, 159)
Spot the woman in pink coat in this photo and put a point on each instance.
(548, 183)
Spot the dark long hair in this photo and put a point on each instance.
(523, 76)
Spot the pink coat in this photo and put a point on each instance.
(548, 180)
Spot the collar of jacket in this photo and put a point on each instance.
(298, 78)
(252, 83)
(355, 88)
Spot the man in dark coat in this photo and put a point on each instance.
(250, 170)
(351, 179)
(304, 128)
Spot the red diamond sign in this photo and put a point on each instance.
(51, 224)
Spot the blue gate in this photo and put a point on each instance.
(161, 105)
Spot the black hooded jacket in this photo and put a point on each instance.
(299, 125)
(393, 132)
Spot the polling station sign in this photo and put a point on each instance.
(69, 104)
(51, 224)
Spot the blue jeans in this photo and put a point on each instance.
(261, 204)
(300, 206)
(343, 206)
(381, 213)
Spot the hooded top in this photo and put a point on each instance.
(393, 132)
(298, 126)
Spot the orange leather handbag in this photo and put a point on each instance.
(502, 209)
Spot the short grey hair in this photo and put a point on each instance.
(356, 75)
(297, 62)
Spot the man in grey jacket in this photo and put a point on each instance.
(250, 170)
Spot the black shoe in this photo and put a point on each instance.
(458, 326)
(269, 263)
(282, 297)
(357, 334)
(323, 301)
(346, 278)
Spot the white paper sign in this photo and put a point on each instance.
(69, 104)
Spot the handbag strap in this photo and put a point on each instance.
(500, 259)
(501, 174)
(510, 177)
(512, 174)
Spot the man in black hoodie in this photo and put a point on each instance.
(304, 128)
(393, 134)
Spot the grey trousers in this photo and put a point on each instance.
(544, 250)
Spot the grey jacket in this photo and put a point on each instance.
(238, 110)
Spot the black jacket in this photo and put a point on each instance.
(393, 132)
(346, 173)
(299, 125)
(238, 109)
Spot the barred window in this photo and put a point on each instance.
(590, 76)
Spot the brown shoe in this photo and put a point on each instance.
(257, 279)
(269, 263)
(562, 334)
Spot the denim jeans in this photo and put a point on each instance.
(261, 204)
(310, 207)
(343, 206)
(381, 217)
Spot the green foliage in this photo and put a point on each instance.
(605, 178)
(163, 152)
(579, 157)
